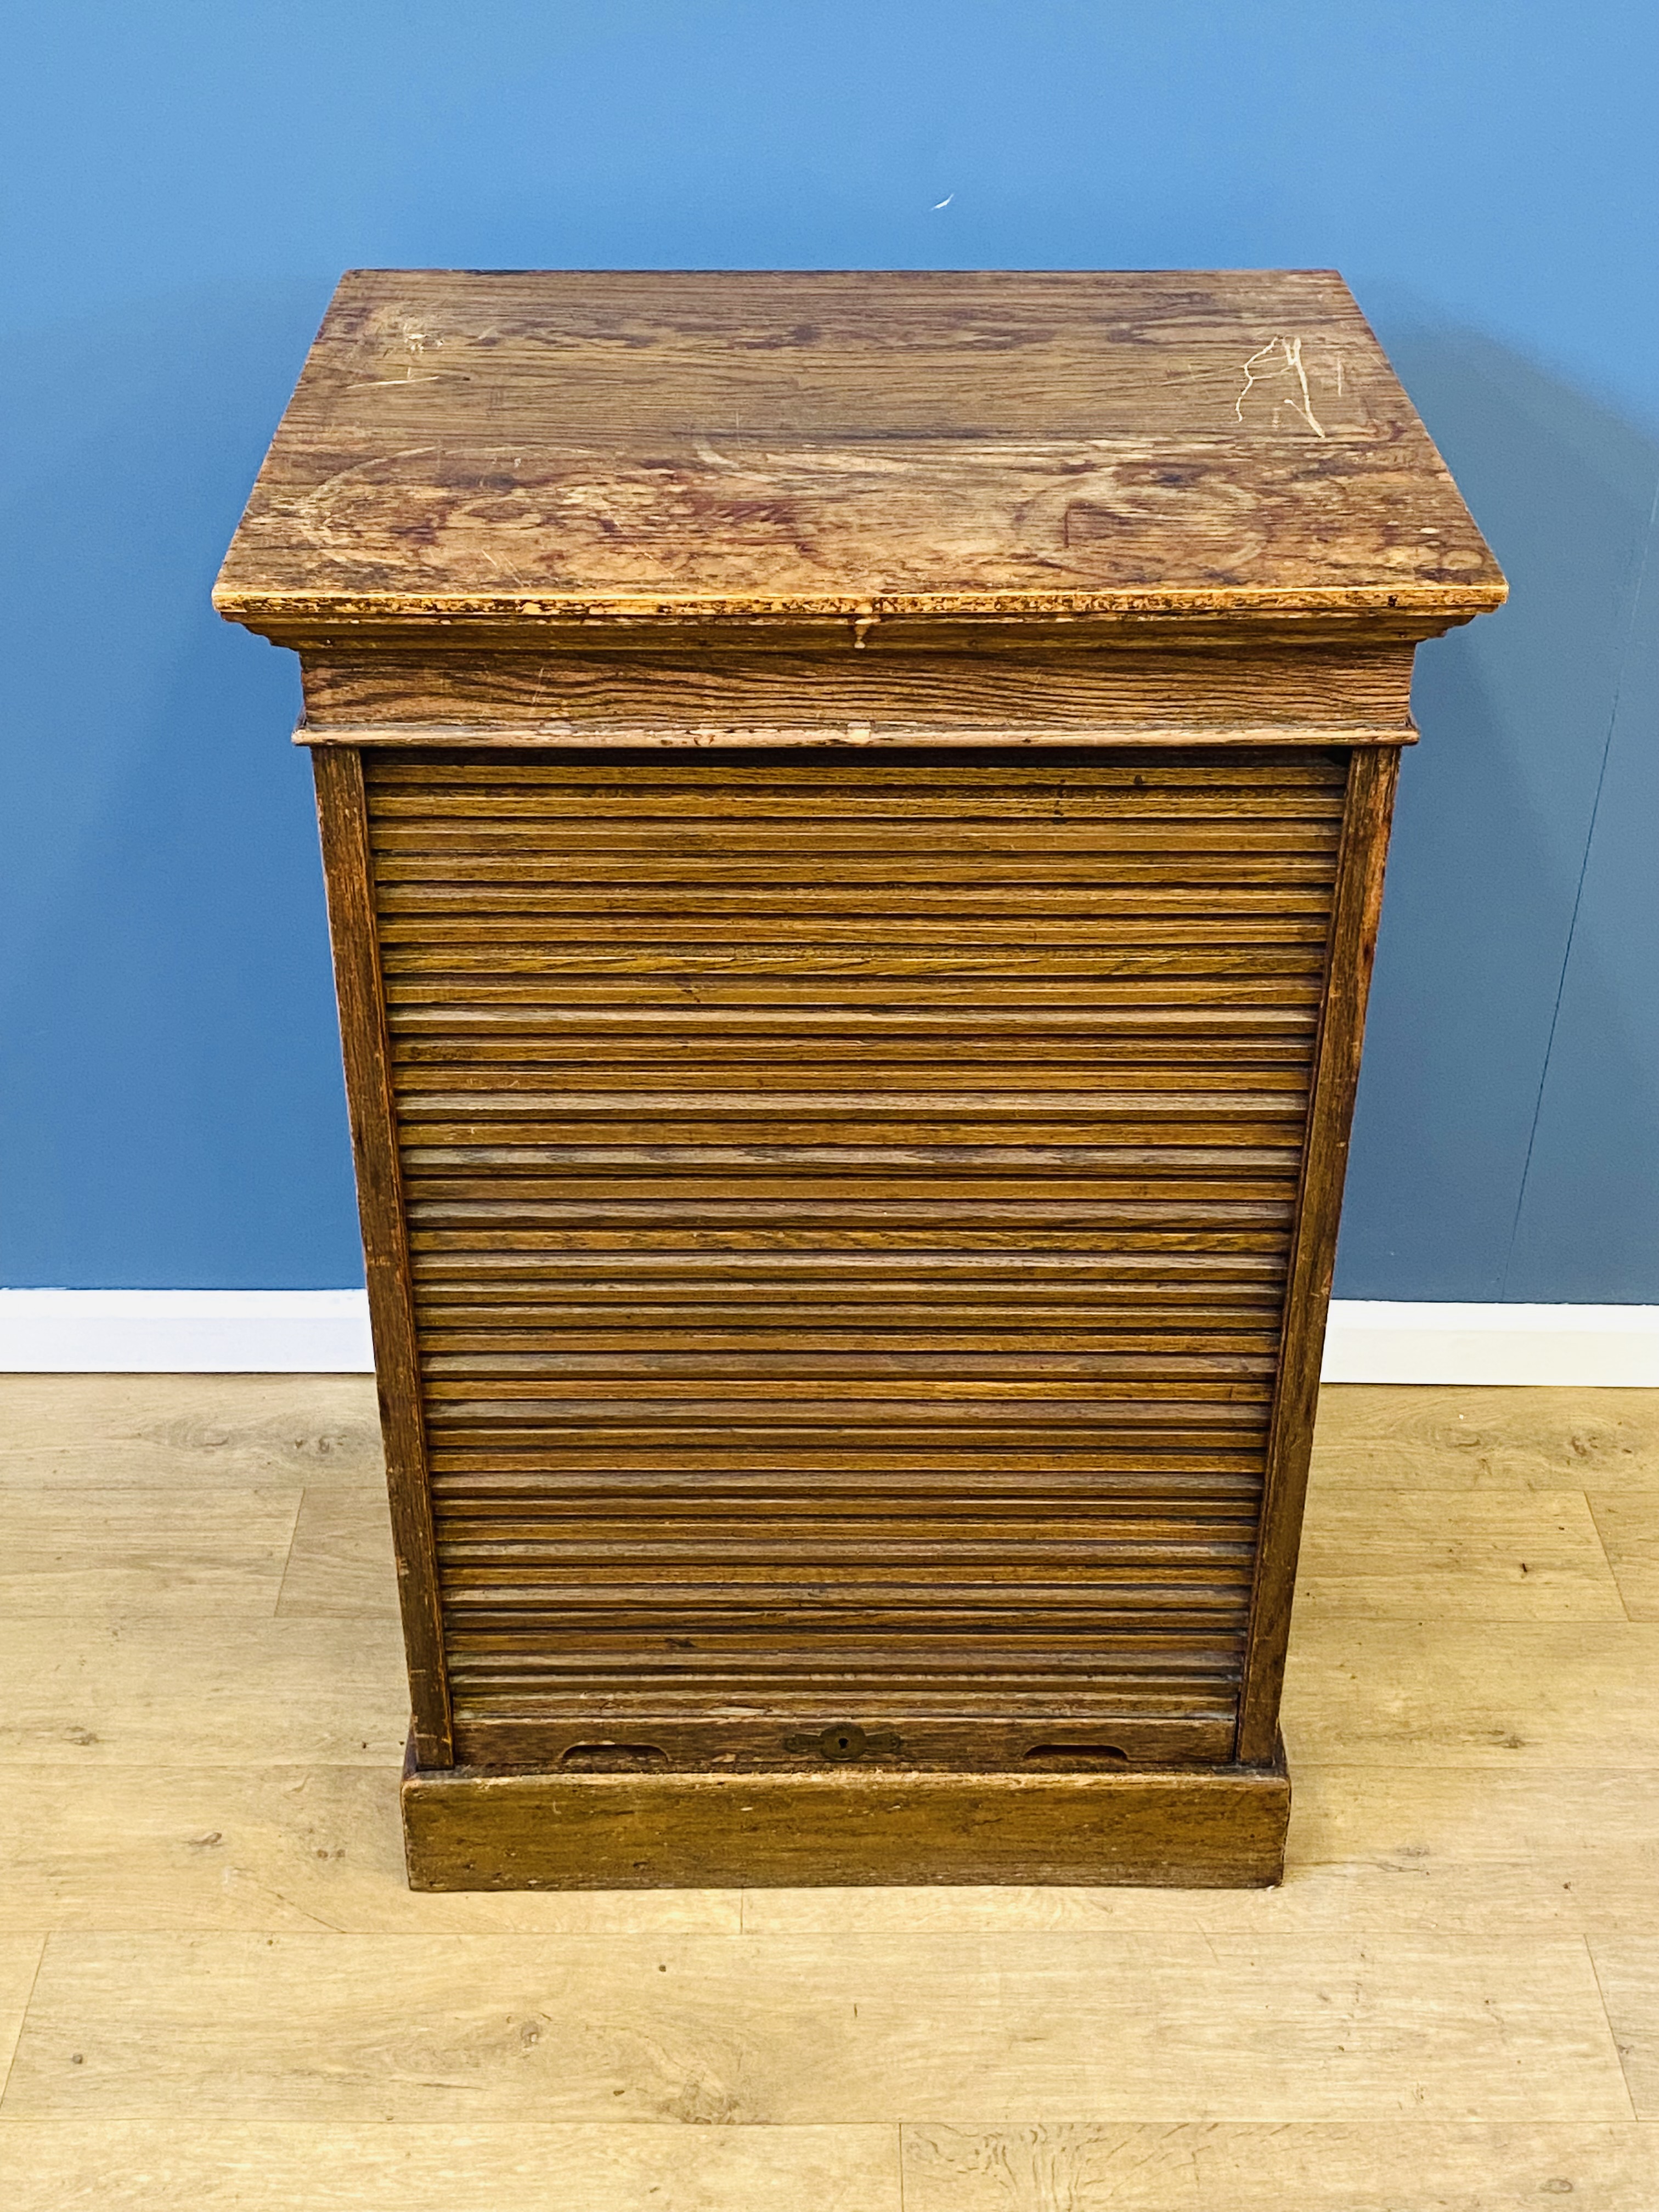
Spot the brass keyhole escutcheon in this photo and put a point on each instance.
(844, 1741)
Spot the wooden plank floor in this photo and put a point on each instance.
(216, 1990)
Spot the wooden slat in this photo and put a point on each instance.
(444, 783)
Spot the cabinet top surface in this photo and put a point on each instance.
(554, 444)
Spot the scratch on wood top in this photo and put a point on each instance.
(667, 447)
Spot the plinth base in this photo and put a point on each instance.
(1219, 1828)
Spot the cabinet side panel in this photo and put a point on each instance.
(343, 820)
(1357, 906)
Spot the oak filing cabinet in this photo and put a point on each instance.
(853, 809)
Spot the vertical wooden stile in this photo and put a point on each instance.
(1357, 908)
(342, 818)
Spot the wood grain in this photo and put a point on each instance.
(264, 2166)
(183, 1844)
(1627, 1972)
(188, 1431)
(1626, 1525)
(20, 1966)
(550, 443)
(78, 1551)
(901, 681)
(1543, 1845)
(804, 2030)
(342, 1559)
(1330, 2167)
(1454, 1437)
(126, 1688)
(1501, 1556)
(1455, 1691)
(1338, 2167)
(467, 1830)
(342, 814)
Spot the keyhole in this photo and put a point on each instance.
(846, 1740)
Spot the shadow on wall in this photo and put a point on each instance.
(175, 1116)
(1588, 1226)
(1507, 1138)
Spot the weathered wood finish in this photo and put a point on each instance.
(537, 444)
(991, 689)
(855, 811)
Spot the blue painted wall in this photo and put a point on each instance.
(186, 180)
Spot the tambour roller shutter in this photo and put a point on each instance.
(848, 1199)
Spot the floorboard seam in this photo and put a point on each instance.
(22, 2021)
(1612, 2033)
(287, 1559)
(1624, 1602)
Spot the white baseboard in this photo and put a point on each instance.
(1390, 1341)
(185, 1332)
(326, 1332)
(1376, 1340)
